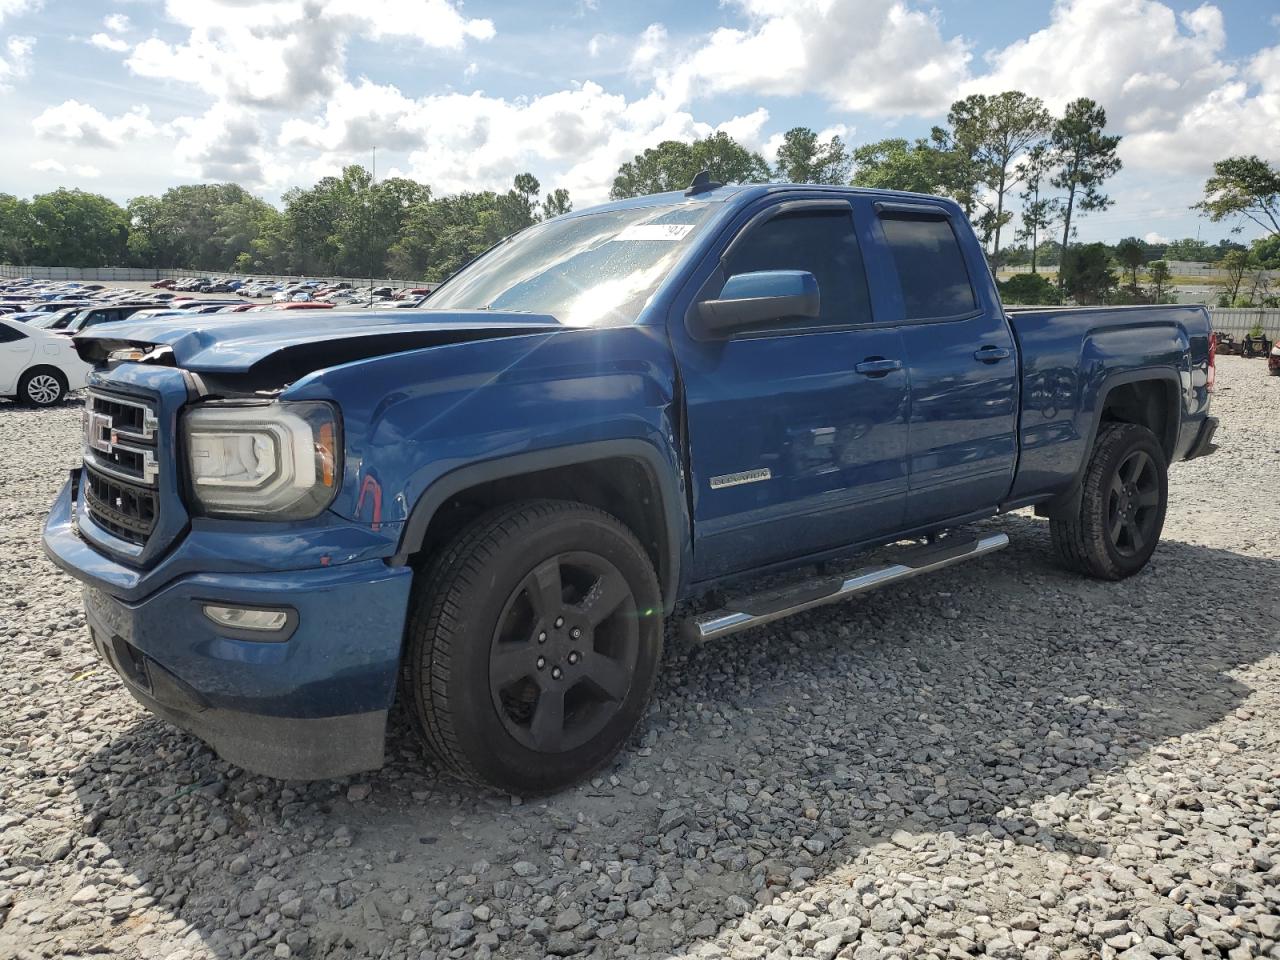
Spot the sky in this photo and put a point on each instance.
(126, 97)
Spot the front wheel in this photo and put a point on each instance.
(1122, 505)
(533, 646)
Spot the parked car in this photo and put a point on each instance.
(166, 284)
(494, 502)
(37, 367)
(92, 316)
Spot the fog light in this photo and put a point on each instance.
(247, 618)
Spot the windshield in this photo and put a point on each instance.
(593, 271)
(56, 320)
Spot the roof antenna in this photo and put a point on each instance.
(701, 184)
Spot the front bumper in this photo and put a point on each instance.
(310, 704)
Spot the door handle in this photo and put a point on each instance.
(877, 367)
(991, 354)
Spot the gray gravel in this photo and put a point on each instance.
(1004, 761)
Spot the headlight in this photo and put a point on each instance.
(274, 460)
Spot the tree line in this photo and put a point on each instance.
(1001, 157)
(347, 225)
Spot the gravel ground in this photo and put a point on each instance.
(1005, 760)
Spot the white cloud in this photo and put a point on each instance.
(474, 141)
(1162, 78)
(433, 23)
(16, 61)
(748, 129)
(282, 53)
(12, 8)
(105, 42)
(116, 22)
(226, 143)
(876, 56)
(600, 43)
(85, 171)
(81, 125)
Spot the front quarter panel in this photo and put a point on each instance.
(411, 418)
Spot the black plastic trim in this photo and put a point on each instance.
(451, 484)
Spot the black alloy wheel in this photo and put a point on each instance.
(564, 652)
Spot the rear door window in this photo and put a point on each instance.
(935, 281)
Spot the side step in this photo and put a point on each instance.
(744, 613)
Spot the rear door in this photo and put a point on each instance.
(797, 433)
(960, 353)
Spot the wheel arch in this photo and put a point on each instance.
(1148, 397)
(628, 479)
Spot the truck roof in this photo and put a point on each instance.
(738, 194)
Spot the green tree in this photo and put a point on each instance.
(1039, 212)
(1028, 289)
(556, 203)
(1243, 189)
(1086, 273)
(1266, 250)
(1131, 256)
(15, 230)
(673, 164)
(1085, 157)
(897, 164)
(803, 159)
(1190, 249)
(1236, 264)
(76, 229)
(989, 134)
(1161, 281)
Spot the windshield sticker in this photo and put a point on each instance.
(655, 231)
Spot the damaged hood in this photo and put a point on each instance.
(301, 340)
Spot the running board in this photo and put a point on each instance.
(746, 612)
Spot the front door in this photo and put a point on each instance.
(797, 433)
(963, 366)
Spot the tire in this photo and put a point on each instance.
(491, 649)
(42, 387)
(1122, 505)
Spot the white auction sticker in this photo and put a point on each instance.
(655, 231)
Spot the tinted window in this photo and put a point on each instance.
(822, 243)
(8, 334)
(931, 268)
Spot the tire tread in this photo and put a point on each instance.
(435, 616)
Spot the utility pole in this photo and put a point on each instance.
(368, 233)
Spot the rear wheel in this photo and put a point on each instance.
(42, 387)
(1122, 505)
(533, 645)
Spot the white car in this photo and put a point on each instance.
(37, 366)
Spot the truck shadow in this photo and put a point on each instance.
(769, 762)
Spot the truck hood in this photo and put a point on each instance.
(292, 345)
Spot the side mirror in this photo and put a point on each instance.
(751, 299)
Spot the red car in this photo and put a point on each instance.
(164, 284)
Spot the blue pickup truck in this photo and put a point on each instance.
(492, 504)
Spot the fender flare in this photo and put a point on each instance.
(646, 454)
(1067, 502)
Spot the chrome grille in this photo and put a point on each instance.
(121, 467)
